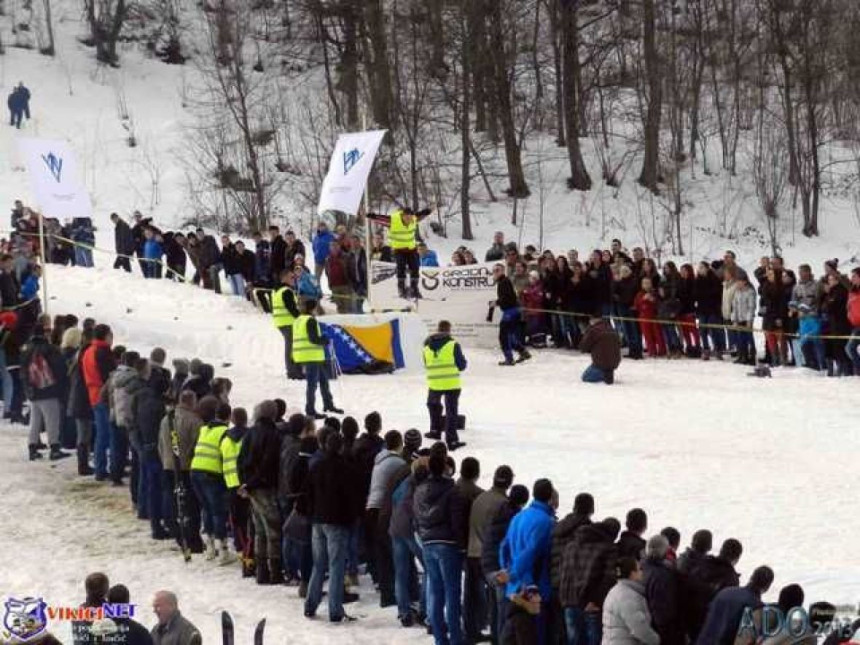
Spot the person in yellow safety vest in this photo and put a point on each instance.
(443, 362)
(285, 310)
(309, 352)
(403, 238)
(207, 476)
(239, 507)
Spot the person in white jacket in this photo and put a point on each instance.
(626, 619)
(743, 315)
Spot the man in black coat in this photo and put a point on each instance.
(258, 467)
(331, 494)
(294, 247)
(124, 243)
(708, 578)
(700, 546)
(45, 384)
(9, 287)
(663, 592)
(147, 411)
(509, 326)
(277, 254)
(141, 223)
(129, 632)
(630, 542)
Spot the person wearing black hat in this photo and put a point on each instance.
(412, 441)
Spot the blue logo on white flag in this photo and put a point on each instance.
(54, 164)
(351, 159)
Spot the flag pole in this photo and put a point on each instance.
(44, 262)
(367, 236)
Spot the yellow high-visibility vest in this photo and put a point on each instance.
(229, 456)
(207, 452)
(442, 372)
(281, 316)
(304, 351)
(400, 234)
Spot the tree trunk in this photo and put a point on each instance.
(379, 70)
(579, 179)
(556, 37)
(349, 64)
(465, 136)
(49, 26)
(651, 162)
(504, 108)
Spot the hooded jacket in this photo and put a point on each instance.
(562, 535)
(386, 464)
(626, 620)
(122, 385)
(51, 383)
(332, 492)
(483, 510)
(662, 592)
(440, 512)
(435, 342)
(147, 411)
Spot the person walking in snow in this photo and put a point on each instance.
(443, 362)
(124, 243)
(309, 352)
(45, 380)
(19, 105)
(509, 326)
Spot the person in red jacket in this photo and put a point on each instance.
(532, 301)
(97, 363)
(854, 318)
(645, 305)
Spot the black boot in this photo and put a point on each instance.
(56, 453)
(83, 461)
(276, 576)
(34, 452)
(414, 293)
(401, 289)
(262, 572)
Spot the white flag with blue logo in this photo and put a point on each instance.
(348, 171)
(57, 187)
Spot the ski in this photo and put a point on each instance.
(226, 628)
(179, 492)
(258, 632)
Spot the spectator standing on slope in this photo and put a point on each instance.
(321, 245)
(172, 628)
(626, 620)
(123, 243)
(45, 381)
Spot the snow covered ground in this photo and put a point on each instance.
(770, 462)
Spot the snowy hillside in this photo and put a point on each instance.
(697, 445)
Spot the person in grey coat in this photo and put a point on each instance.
(172, 628)
(743, 315)
(626, 619)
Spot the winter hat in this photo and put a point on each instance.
(503, 477)
(180, 365)
(412, 440)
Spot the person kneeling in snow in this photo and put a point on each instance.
(602, 341)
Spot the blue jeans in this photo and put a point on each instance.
(150, 490)
(6, 380)
(315, 374)
(716, 336)
(237, 284)
(745, 343)
(103, 438)
(498, 610)
(670, 335)
(211, 493)
(404, 550)
(509, 333)
(851, 349)
(444, 567)
(83, 257)
(631, 330)
(593, 374)
(583, 628)
(329, 547)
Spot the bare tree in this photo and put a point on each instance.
(105, 18)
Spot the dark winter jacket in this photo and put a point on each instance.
(436, 341)
(263, 262)
(43, 371)
(630, 545)
(440, 512)
(187, 425)
(259, 458)
(603, 344)
(82, 231)
(774, 304)
(562, 535)
(298, 478)
(506, 297)
(210, 254)
(598, 281)
(481, 514)
(662, 591)
(834, 306)
(624, 291)
(277, 257)
(178, 631)
(79, 402)
(708, 293)
(358, 271)
(587, 567)
(332, 491)
(687, 296)
(246, 263)
(287, 461)
(8, 290)
(402, 521)
(230, 260)
(689, 560)
(724, 615)
(147, 408)
(174, 254)
(123, 239)
(363, 456)
(702, 583)
(494, 535)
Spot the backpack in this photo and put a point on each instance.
(40, 376)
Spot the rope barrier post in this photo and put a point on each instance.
(44, 263)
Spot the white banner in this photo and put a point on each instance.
(348, 171)
(459, 294)
(54, 179)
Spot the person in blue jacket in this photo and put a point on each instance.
(83, 234)
(30, 285)
(321, 245)
(427, 257)
(152, 253)
(526, 551)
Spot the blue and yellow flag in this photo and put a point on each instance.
(373, 349)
